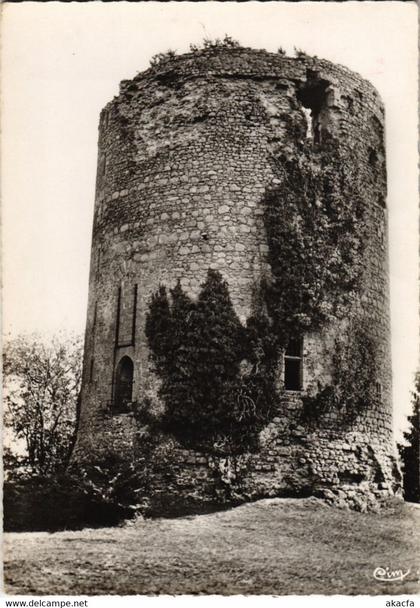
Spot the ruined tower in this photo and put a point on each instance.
(187, 153)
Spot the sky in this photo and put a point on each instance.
(62, 62)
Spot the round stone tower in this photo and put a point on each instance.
(187, 154)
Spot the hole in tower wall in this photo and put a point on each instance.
(373, 157)
(313, 97)
(168, 79)
(349, 477)
(199, 118)
(379, 477)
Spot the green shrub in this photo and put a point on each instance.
(101, 494)
(226, 42)
(160, 58)
(213, 370)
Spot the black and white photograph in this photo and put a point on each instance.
(211, 380)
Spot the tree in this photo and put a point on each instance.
(216, 375)
(410, 451)
(42, 386)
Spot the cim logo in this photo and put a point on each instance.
(387, 575)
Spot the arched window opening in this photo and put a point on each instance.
(123, 388)
(293, 365)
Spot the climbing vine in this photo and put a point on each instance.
(217, 376)
(316, 235)
(355, 367)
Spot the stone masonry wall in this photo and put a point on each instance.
(186, 154)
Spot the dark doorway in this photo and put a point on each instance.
(123, 391)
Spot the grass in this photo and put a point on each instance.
(274, 547)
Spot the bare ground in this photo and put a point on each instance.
(274, 547)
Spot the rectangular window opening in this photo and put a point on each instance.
(293, 365)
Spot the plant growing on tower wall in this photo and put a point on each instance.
(316, 236)
(353, 386)
(216, 375)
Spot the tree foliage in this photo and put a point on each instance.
(410, 450)
(215, 384)
(42, 386)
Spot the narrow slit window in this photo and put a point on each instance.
(104, 164)
(133, 327)
(126, 316)
(95, 314)
(293, 365)
(98, 261)
(117, 328)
